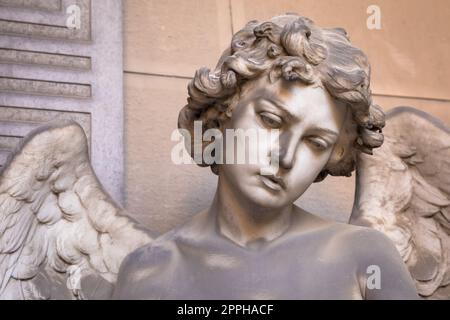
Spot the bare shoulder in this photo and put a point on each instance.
(354, 234)
(141, 268)
(349, 236)
(160, 251)
(364, 244)
(375, 257)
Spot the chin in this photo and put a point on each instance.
(262, 197)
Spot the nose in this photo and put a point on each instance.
(288, 146)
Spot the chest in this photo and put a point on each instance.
(277, 274)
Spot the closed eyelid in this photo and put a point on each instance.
(328, 139)
(271, 119)
(317, 138)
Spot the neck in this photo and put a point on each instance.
(243, 221)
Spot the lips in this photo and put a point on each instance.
(273, 182)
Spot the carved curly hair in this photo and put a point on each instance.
(294, 48)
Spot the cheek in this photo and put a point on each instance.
(308, 165)
(256, 141)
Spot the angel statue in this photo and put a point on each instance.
(310, 89)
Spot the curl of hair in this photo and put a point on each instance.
(295, 49)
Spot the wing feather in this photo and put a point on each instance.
(403, 190)
(56, 219)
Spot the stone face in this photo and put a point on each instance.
(163, 48)
(49, 71)
(152, 106)
(171, 39)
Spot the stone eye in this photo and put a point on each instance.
(271, 120)
(318, 143)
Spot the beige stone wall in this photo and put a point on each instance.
(166, 41)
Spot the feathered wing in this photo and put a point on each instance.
(61, 235)
(403, 190)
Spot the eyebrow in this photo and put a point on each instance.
(280, 106)
(325, 131)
